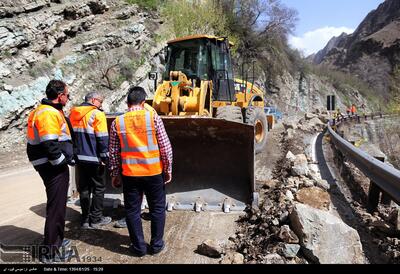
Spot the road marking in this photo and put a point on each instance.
(19, 172)
(313, 150)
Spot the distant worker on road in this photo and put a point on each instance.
(50, 149)
(353, 109)
(348, 111)
(140, 146)
(337, 114)
(90, 128)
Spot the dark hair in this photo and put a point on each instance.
(54, 87)
(136, 95)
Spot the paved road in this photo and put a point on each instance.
(21, 194)
(22, 211)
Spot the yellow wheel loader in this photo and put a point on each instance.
(215, 123)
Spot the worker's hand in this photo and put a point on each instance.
(167, 178)
(116, 181)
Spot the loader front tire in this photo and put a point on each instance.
(229, 113)
(256, 116)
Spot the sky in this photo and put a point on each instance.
(320, 20)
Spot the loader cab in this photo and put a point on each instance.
(203, 59)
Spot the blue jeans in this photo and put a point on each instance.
(154, 189)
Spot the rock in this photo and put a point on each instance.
(289, 125)
(314, 172)
(300, 165)
(210, 248)
(310, 116)
(287, 235)
(283, 217)
(290, 157)
(4, 71)
(305, 182)
(382, 226)
(12, 38)
(290, 250)
(317, 111)
(289, 195)
(397, 220)
(324, 118)
(8, 88)
(126, 12)
(321, 235)
(293, 182)
(322, 184)
(273, 259)
(316, 122)
(233, 258)
(21, 98)
(76, 11)
(270, 184)
(290, 133)
(314, 197)
(135, 28)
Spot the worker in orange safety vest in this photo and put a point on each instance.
(90, 129)
(49, 150)
(141, 152)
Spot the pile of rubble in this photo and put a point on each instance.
(293, 224)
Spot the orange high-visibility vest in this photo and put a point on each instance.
(46, 123)
(140, 155)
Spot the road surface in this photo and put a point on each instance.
(23, 203)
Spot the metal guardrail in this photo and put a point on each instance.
(386, 177)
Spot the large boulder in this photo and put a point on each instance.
(300, 165)
(325, 238)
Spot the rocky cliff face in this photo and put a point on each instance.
(333, 43)
(75, 41)
(372, 52)
(384, 134)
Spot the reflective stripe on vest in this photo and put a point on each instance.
(83, 122)
(88, 158)
(42, 161)
(140, 155)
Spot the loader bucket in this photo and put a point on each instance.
(213, 164)
(213, 167)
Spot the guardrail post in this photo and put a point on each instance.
(373, 197)
(374, 193)
(381, 115)
(385, 198)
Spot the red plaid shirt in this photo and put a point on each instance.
(164, 145)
